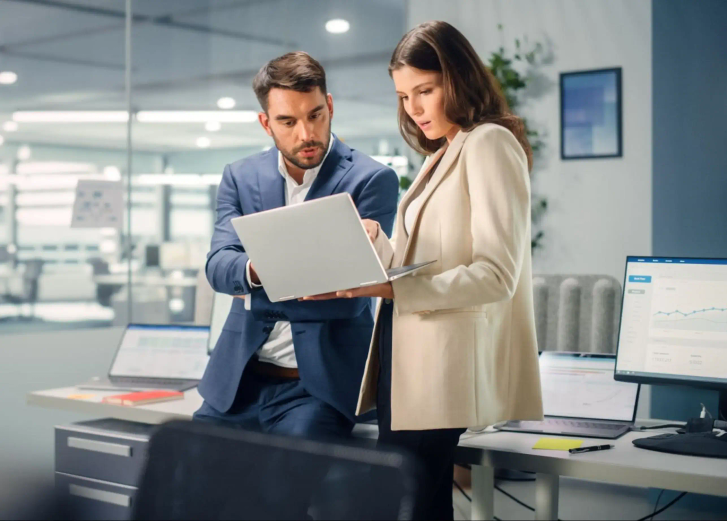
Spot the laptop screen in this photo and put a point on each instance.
(154, 351)
(581, 385)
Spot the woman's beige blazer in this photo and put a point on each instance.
(464, 347)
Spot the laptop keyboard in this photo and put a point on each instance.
(572, 424)
(147, 383)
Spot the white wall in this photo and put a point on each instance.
(599, 210)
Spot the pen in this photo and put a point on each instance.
(590, 449)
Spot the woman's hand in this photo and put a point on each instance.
(372, 228)
(384, 290)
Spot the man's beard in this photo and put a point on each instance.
(291, 155)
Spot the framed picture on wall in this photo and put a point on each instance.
(590, 114)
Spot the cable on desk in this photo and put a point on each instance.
(656, 505)
(516, 500)
(462, 490)
(664, 426)
(669, 504)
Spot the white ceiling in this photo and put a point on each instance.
(69, 55)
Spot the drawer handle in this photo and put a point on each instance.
(100, 446)
(104, 496)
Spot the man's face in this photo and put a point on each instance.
(300, 125)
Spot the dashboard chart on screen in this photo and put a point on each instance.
(674, 319)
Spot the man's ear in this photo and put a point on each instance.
(264, 120)
(329, 102)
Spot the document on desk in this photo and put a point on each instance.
(563, 444)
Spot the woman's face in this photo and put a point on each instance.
(422, 96)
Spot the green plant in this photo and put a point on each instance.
(504, 67)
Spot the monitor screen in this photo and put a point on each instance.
(581, 385)
(154, 351)
(674, 322)
(152, 256)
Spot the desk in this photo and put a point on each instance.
(625, 464)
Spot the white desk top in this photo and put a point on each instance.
(625, 464)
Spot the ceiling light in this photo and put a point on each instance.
(69, 116)
(212, 126)
(196, 116)
(24, 153)
(203, 142)
(337, 26)
(8, 78)
(226, 103)
(10, 126)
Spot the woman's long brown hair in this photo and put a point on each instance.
(472, 95)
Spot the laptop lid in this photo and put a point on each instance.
(162, 351)
(582, 386)
(310, 248)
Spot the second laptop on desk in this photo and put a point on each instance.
(170, 357)
(581, 398)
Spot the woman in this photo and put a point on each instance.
(454, 345)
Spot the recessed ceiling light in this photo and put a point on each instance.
(203, 142)
(226, 103)
(24, 153)
(337, 26)
(212, 126)
(71, 116)
(8, 78)
(10, 126)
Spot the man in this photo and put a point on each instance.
(293, 367)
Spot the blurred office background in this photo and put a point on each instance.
(186, 55)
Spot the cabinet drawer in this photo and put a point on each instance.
(107, 450)
(85, 498)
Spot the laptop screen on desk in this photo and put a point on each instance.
(160, 351)
(581, 385)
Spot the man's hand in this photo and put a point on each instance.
(372, 228)
(253, 275)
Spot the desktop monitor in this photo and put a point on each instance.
(151, 256)
(674, 323)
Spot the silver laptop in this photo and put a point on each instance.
(170, 357)
(581, 398)
(319, 246)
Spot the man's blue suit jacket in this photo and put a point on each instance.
(331, 338)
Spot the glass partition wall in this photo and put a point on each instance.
(156, 107)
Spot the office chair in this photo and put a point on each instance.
(104, 292)
(199, 470)
(30, 285)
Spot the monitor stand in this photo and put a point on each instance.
(705, 444)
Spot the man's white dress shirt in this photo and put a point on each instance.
(279, 349)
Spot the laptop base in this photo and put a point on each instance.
(608, 431)
(128, 385)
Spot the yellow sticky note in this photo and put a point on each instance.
(557, 444)
(80, 396)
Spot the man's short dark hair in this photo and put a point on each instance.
(296, 71)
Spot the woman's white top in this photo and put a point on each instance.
(415, 205)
